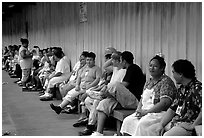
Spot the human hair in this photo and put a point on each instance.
(108, 56)
(41, 51)
(116, 55)
(36, 63)
(24, 41)
(185, 67)
(91, 55)
(127, 56)
(58, 53)
(161, 61)
(85, 53)
(15, 47)
(45, 50)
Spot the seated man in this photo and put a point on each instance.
(61, 73)
(89, 77)
(123, 94)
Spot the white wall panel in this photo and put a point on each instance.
(175, 29)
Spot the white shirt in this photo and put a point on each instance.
(75, 69)
(118, 75)
(63, 65)
(24, 63)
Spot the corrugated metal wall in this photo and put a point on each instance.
(175, 29)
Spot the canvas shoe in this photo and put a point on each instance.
(96, 134)
(46, 97)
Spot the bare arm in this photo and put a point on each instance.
(163, 105)
(139, 105)
(125, 83)
(107, 66)
(24, 55)
(168, 116)
(94, 83)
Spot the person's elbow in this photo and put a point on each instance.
(166, 103)
(125, 83)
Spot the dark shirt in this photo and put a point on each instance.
(136, 79)
(189, 98)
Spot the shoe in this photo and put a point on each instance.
(96, 134)
(81, 123)
(10, 73)
(46, 97)
(36, 89)
(19, 82)
(87, 131)
(25, 89)
(57, 109)
(16, 81)
(14, 76)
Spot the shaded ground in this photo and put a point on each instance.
(23, 114)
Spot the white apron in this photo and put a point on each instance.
(139, 127)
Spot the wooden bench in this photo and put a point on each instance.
(119, 115)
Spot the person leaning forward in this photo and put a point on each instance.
(123, 94)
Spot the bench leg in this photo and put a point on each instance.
(118, 126)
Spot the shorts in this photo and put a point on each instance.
(107, 106)
(25, 75)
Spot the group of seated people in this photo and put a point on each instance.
(161, 108)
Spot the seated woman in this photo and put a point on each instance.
(49, 66)
(158, 94)
(70, 83)
(186, 111)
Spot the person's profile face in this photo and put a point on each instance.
(122, 62)
(82, 60)
(44, 52)
(177, 76)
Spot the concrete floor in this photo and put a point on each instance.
(23, 114)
